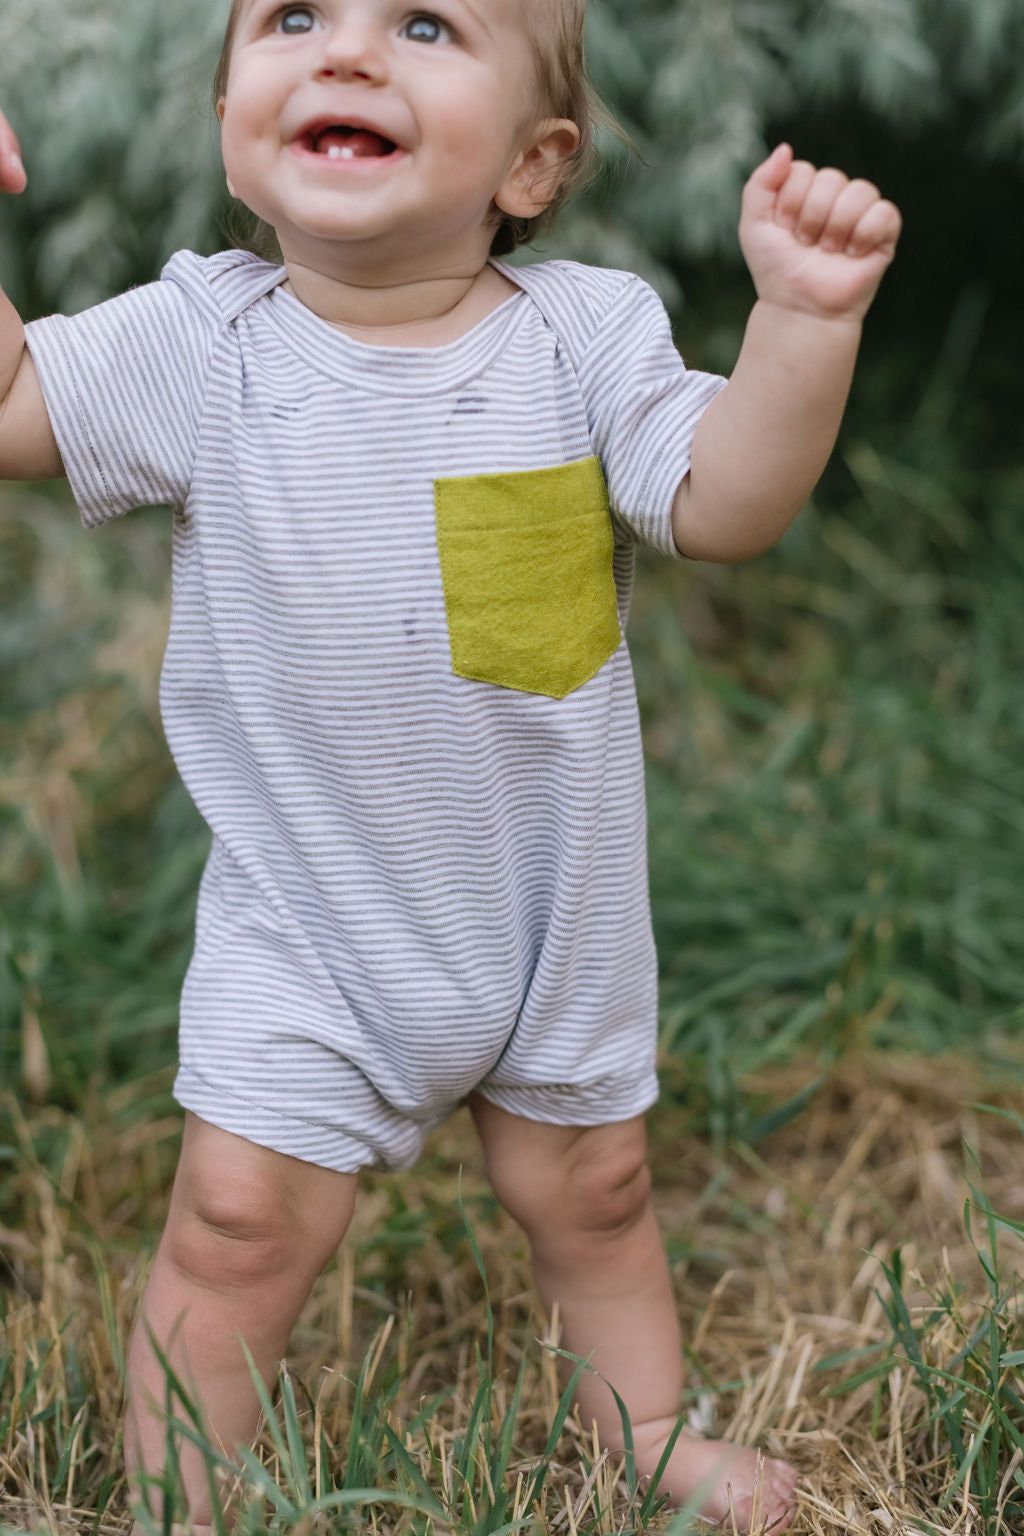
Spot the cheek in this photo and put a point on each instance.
(250, 106)
(233, 165)
(243, 162)
(476, 134)
(241, 135)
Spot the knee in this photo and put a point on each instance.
(231, 1236)
(229, 1229)
(243, 1215)
(609, 1193)
(598, 1188)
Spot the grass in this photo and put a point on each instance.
(420, 1392)
(834, 737)
(959, 1353)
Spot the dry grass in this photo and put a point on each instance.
(778, 1259)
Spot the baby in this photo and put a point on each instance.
(408, 482)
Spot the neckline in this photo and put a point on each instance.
(404, 370)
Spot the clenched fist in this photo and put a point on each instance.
(815, 241)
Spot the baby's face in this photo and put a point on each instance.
(386, 129)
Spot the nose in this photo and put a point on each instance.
(352, 50)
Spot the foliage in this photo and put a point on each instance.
(110, 103)
(701, 83)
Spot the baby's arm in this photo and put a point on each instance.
(817, 246)
(28, 448)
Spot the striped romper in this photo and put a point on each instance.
(396, 686)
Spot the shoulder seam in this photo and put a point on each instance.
(566, 284)
(207, 272)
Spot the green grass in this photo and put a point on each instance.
(837, 826)
(962, 1347)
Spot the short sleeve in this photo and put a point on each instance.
(124, 384)
(643, 404)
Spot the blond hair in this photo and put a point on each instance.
(564, 90)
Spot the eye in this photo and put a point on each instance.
(426, 29)
(295, 20)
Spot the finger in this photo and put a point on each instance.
(771, 173)
(818, 204)
(879, 229)
(12, 172)
(760, 191)
(847, 211)
(793, 193)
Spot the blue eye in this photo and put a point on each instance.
(293, 13)
(426, 29)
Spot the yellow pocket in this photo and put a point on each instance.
(526, 561)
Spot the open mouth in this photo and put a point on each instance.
(342, 142)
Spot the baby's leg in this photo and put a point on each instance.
(247, 1234)
(582, 1194)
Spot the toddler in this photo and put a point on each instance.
(407, 483)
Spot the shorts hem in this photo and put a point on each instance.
(573, 1104)
(305, 1140)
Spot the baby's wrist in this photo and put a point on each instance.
(799, 314)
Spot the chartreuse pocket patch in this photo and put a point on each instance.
(526, 561)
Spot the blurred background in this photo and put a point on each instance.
(834, 732)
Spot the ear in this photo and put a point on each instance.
(536, 172)
(220, 118)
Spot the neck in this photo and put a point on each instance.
(427, 310)
(368, 306)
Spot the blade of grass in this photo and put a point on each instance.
(503, 1450)
(413, 1472)
(478, 1261)
(652, 1498)
(627, 1427)
(298, 1467)
(555, 1432)
(966, 1464)
(274, 1427)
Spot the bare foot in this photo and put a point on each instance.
(723, 1476)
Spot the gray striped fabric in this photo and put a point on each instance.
(419, 885)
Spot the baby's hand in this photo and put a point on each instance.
(814, 240)
(12, 172)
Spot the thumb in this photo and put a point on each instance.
(12, 172)
(766, 182)
(13, 177)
